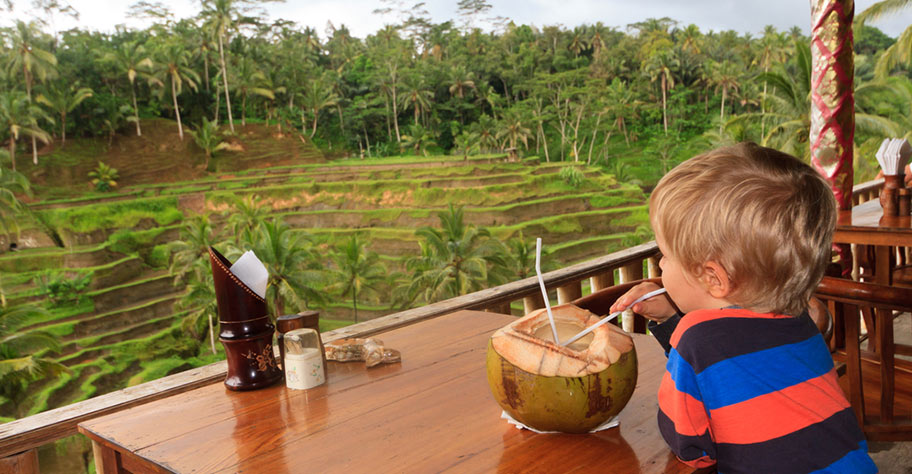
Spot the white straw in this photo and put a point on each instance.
(541, 284)
(612, 316)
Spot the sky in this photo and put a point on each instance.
(744, 16)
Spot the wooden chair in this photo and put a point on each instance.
(878, 385)
(600, 302)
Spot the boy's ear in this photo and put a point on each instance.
(716, 280)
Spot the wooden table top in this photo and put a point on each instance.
(432, 412)
(866, 224)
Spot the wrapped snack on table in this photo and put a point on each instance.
(369, 350)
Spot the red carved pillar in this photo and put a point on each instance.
(832, 132)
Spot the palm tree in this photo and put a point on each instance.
(358, 271)
(131, 59)
(521, 257)
(33, 61)
(189, 253)
(220, 19)
(899, 52)
(250, 80)
(468, 143)
(19, 116)
(725, 77)
(191, 270)
(174, 66)
(659, 67)
(11, 183)
(208, 138)
(418, 138)
(246, 215)
(16, 368)
(295, 267)
(461, 81)
(63, 98)
(417, 95)
(790, 100)
(317, 96)
(455, 260)
(512, 130)
(771, 51)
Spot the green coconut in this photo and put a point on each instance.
(550, 387)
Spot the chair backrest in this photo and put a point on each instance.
(599, 303)
(879, 386)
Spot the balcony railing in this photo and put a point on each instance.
(20, 438)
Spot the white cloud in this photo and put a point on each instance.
(740, 15)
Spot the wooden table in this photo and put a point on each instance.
(432, 412)
(865, 224)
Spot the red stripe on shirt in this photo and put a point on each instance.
(779, 413)
(687, 413)
(702, 315)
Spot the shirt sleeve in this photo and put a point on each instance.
(663, 331)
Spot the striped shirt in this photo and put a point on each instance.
(754, 392)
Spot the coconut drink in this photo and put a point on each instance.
(550, 387)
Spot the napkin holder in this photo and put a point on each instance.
(244, 329)
(889, 195)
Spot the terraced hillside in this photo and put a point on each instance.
(124, 331)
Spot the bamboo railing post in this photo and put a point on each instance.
(533, 302)
(630, 272)
(568, 293)
(653, 269)
(503, 308)
(22, 463)
(603, 280)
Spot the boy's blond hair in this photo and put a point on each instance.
(766, 217)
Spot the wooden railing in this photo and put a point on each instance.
(18, 439)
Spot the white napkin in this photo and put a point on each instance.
(610, 423)
(250, 270)
(893, 155)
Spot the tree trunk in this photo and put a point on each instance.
(313, 131)
(28, 90)
(355, 303)
(396, 117)
(664, 107)
(598, 120)
(244, 110)
(62, 130)
(12, 152)
(225, 81)
(177, 113)
(341, 119)
(211, 334)
(206, 75)
(218, 101)
(763, 107)
(135, 110)
(722, 111)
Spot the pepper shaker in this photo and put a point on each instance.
(302, 320)
(304, 364)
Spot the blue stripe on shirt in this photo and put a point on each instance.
(747, 376)
(682, 374)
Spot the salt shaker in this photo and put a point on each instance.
(303, 359)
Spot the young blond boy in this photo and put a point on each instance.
(745, 233)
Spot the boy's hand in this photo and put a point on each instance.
(657, 308)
